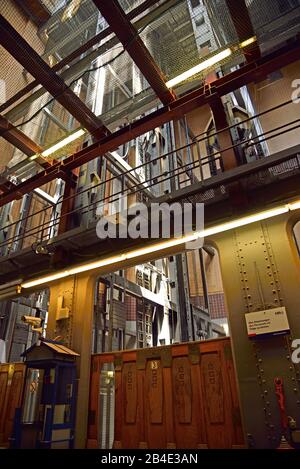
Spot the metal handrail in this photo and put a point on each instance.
(176, 172)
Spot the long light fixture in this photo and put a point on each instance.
(174, 81)
(138, 253)
(248, 42)
(246, 220)
(294, 205)
(110, 260)
(62, 143)
(209, 62)
(199, 68)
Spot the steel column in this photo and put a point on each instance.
(224, 136)
(261, 270)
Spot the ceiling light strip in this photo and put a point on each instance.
(224, 54)
(138, 253)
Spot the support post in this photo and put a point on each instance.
(71, 312)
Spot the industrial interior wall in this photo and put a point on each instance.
(264, 268)
(12, 377)
(274, 90)
(179, 396)
(12, 75)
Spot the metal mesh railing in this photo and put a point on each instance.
(181, 173)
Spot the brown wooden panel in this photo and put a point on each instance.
(11, 387)
(118, 410)
(189, 402)
(3, 390)
(211, 372)
(169, 414)
(233, 408)
(93, 418)
(186, 415)
(130, 392)
(198, 412)
(155, 390)
(127, 405)
(213, 398)
(182, 388)
(141, 409)
(154, 405)
(14, 401)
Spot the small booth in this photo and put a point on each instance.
(46, 418)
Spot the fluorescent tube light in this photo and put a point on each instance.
(33, 157)
(246, 220)
(166, 244)
(65, 141)
(57, 146)
(200, 67)
(249, 41)
(75, 270)
(294, 205)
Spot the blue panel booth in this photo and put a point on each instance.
(46, 418)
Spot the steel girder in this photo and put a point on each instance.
(254, 71)
(13, 42)
(242, 22)
(135, 47)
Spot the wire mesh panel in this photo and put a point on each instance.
(188, 32)
(274, 22)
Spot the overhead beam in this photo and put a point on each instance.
(242, 22)
(131, 41)
(254, 71)
(21, 141)
(17, 138)
(158, 10)
(14, 43)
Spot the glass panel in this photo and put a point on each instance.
(33, 389)
(107, 406)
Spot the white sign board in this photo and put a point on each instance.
(267, 322)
